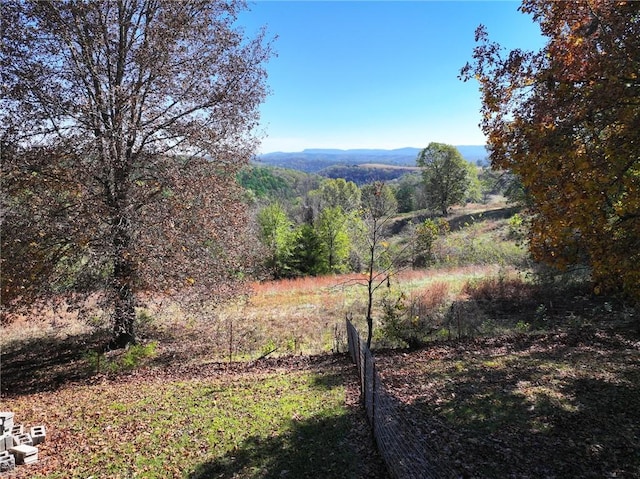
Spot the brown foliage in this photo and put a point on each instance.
(504, 289)
(566, 120)
(125, 124)
(432, 297)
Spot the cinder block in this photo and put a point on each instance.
(17, 429)
(7, 462)
(6, 420)
(25, 454)
(23, 439)
(6, 442)
(38, 434)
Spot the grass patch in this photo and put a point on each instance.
(486, 242)
(121, 360)
(257, 423)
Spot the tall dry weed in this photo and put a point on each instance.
(307, 283)
(498, 288)
(431, 297)
(409, 319)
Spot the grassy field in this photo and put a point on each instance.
(296, 316)
(307, 315)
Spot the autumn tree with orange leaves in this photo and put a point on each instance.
(124, 124)
(566, 121)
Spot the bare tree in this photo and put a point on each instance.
(379, 206)
(124, 124)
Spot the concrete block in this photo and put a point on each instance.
(3, 444)
(7, 462)
(38, 434)
(25, 454)
(6, 442)
(23, 439)
(17, 429)
(6, 421)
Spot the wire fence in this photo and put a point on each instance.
(403, 448)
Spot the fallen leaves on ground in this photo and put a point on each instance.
(554, 405)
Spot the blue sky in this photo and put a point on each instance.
(381, 74)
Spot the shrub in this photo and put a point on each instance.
(425, 236)
(409, 320)
(464, 319)
(482, 243)
(121, 360)
(500, 288)
(504, 301)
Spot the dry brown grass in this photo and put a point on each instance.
(294, 316)
(432, 296)
(59, 321)
(306, 315)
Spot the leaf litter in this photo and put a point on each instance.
(540, 405)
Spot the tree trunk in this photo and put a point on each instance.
(370, 290)
(331, 247)
(445, 209)
(369, 321)
(124, 314)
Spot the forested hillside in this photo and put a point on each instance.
(366, 172)
(310, 224)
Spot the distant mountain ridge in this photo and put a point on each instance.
(364, 151)
(315, 160)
